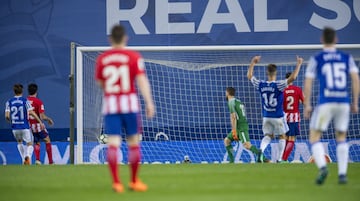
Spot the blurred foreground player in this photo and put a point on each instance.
(116, 72)
(17, 110)
(332, 68)
(239, 125)
(293, 96)
(271, 92)
(38, 133)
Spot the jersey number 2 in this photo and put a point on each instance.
(290, 103)
(113, 74)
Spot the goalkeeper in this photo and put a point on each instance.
(239, 125)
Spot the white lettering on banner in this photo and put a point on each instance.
(234, 16)
(342, 10)
(3, 158)
(356, 7)
(162, 25)
(57, 158)
(114, 15)
(262, 23)
(98, 154)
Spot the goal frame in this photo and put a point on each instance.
(77, 55)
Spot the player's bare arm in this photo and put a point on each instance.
(254, 61)
(355, 92)
(44, 117)
(307, 91)
(144, 86)
(7, 116)
(294, 75)
(233, 125)
(32, 113)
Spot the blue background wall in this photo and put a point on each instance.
(35, 35)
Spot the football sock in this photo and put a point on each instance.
(229, 150)
(281, 146)
(29, 150)
(112, 163)
(265, 142)
(49, 152)
(37, 152)
(342, 154)
(254, 149)
(288, 149)
(134, 159)
(319, 154)
(21, 151)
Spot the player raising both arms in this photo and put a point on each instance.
(272, 104)
(116, 72)
(17, 110)
(332, 68)
(293, 96)
(239, 125)
(38, 133)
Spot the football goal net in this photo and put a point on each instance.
(192, 118)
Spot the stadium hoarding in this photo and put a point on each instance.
(156, 152)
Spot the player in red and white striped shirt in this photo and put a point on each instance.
(116, 72)
(293, 96)
(38, 132)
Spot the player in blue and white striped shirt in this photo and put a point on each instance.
(271, 91)
(332, 68)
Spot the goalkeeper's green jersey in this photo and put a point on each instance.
(237, 107)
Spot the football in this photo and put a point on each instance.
(103, 139)
(327, 159)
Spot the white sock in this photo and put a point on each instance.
(21, 151)
(282, 143)
(265, 142)
(319, 154)
(29, 151)
(342, 154)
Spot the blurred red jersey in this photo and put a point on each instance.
(117, 70)
(293, 95)
(38, 106)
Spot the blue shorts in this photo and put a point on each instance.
(114, 124)
(294, 129)
(40, 136)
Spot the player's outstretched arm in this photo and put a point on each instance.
(294, 75)
(7, 116)
(254, 61)
(144, 86)
(44, 117)
(355, 92)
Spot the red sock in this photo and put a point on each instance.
(37, 152)
(49, 152)
(288, 149)
(134, 159)
(112, 162)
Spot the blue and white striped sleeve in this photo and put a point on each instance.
(282, 84)
(255, 82)
(352, 66)
(28, 106)
(311, 68)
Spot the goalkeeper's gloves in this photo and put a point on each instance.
(234, 135)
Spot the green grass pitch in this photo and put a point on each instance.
(185, 182)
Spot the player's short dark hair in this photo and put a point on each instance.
(288, 75)
(328, 35)
(18, 89)
(118, 34)
(32, 88)
(231, 91)
(271, 69)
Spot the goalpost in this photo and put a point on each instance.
(192, 118)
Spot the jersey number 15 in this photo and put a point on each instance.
(335, 75)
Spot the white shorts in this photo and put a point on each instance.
(324, 113)
(276, 126)
(23, 135)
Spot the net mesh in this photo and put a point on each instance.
(192, 117)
